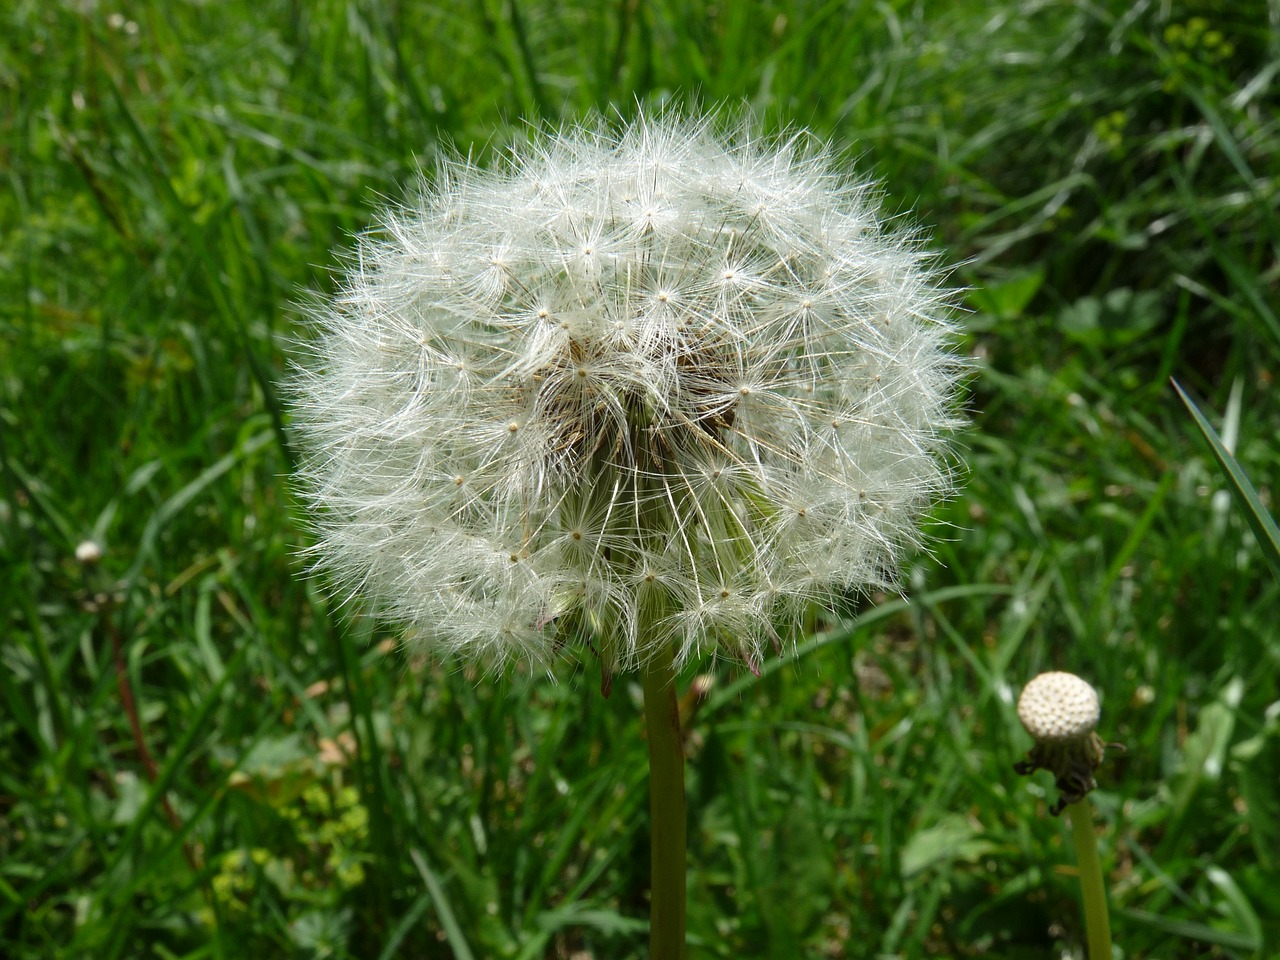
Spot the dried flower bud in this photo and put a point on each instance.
(1061, 713)
(88, 552)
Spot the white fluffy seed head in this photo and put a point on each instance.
(1057, 707)
(633, 387)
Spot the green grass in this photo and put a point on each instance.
(178, 176)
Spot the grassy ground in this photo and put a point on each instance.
(176, 175)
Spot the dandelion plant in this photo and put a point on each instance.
(1061, 712)
(641, 393)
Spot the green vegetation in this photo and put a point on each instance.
(178, 175)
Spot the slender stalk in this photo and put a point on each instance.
(666, 810)
(1096, 924)
(130, 706)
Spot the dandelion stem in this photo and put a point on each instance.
(666, 809)
(1094, 893)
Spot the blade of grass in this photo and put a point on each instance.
(843, 633)
(452, 931)
(1260, 521)
(180, 500)
(1243, 280)
(1191, 930)
(407, 923)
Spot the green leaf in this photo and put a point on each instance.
(1204, 755)
(1119, 317)
(1256, 764)
(276, 770)
(952, 838)
(1235, 905)
(1008, 300)
(1260, 521)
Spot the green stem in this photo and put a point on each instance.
(1097, 926)
(666, 809)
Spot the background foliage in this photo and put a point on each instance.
(178, 175)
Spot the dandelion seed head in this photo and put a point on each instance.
(637, 386)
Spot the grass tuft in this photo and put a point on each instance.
(177, 175)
